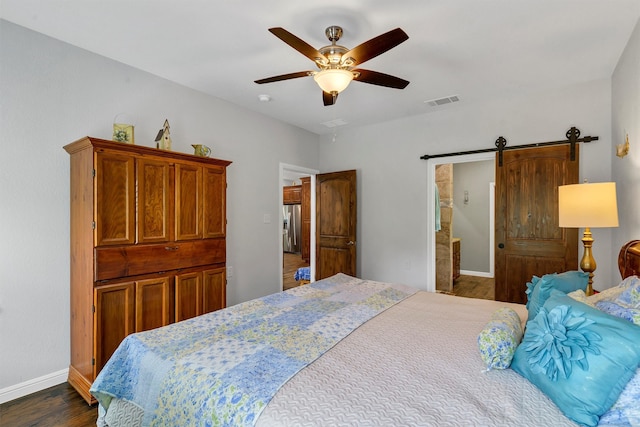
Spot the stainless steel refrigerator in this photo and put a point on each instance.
(291, 226)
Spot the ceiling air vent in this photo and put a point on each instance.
(334, 123)
(442, 101)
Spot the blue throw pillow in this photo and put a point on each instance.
(626, 411)
(566, 282)
(620, 310)
(630, 297)
(579, 356)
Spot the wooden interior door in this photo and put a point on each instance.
(528, 239)
(305, 216)
(336, 211)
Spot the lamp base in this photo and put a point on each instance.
(588, 263)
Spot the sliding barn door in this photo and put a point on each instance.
(336, 211)
(528, 239)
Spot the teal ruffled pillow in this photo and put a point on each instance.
(530, 287)
(579, 356)
(500, 338)
(566, 282)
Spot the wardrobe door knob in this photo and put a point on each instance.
(501, 245)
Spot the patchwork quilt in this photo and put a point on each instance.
(223, 368)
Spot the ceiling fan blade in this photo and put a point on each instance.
(298, 44)
(329, 98)
(380, 79)
(376, 46)
(283, 77)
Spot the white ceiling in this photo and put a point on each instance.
(471, 48)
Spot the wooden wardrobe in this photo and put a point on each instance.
(148, 245)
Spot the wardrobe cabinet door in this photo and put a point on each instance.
(153, 303)
(214, 202)
(154, 196)
(214, 293)
(115, 215)
(188, 201)
(188, 295)
(113, 319)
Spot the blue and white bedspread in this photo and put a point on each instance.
(223, 368)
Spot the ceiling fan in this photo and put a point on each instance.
(337, 63)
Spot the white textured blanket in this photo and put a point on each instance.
(416, 364)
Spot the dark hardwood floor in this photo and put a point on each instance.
(57, 406)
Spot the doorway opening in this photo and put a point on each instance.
(290, 259)
(485, 244)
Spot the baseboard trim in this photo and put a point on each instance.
(476, 273)
(37, 384)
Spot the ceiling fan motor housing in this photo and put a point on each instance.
(333, 33)
(333, 52)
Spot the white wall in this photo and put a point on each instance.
(52, 94)
(472, 220)
(392, 181)
(626, 120)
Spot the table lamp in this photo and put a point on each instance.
(585, 206)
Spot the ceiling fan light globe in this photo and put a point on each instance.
(333, 80)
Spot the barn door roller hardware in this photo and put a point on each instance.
(573, 137)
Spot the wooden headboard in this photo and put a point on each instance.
(629, 259)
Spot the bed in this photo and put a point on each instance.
(346, 351)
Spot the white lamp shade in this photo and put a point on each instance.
(588, 205)
(333, 80)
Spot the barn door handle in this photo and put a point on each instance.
(501, 245)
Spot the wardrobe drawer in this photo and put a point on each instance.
(132, 260)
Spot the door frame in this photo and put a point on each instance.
(284, 170)
(431, 233)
